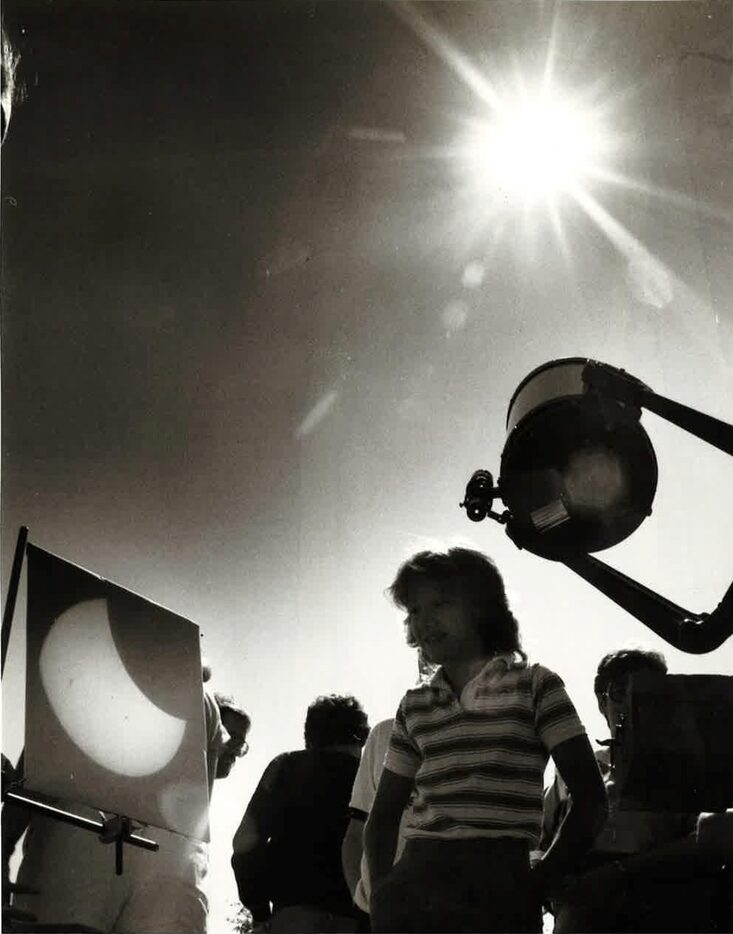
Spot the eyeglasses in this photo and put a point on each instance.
(236, 747)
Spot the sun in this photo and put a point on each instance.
(534, 147)
(542, 149)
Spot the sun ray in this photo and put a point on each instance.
(675, 198)
(549, 69)
(624, 241)
(654, 277)
(553, 212)
(446, 50)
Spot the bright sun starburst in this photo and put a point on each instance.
(535, 147)
(538, 153)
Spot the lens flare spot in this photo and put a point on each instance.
(473, 275)
(649, 282)
(316, 415)
(454, 317)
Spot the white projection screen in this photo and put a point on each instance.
(114, 700)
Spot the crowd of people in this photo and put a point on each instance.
(436, 820)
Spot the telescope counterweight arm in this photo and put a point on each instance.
(689, 632)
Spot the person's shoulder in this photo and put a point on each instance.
(291, 755)
(216, 735)
(423, 698)
(377, 741)
(210, 705)
(282, 760)
(379, 734)
(421, 692)
(279, 769)
(541, 674)
(540, 670)
(547, 685)
(384, 726)
(322, 758)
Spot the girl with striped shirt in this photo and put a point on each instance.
(473, 743)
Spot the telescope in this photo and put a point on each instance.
(578, 474)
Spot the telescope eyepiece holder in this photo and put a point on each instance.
(479, 498)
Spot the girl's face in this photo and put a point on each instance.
(442, 623)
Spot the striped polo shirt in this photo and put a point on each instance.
(478, 761)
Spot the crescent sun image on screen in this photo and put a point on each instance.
(81, 670)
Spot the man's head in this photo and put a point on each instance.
(456, 604)
(336, 720)
(612, 678)
(237, 723)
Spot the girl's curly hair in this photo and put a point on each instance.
(474, 575)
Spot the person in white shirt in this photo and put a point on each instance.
(362, 797)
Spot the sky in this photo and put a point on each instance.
(265, 305)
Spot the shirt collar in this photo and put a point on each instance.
(496, 666)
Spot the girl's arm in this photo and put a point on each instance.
(380, 832)
(586, 815)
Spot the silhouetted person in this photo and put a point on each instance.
(645, 871)
(287, 850)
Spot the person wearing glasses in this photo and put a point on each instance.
(69, 882)
(237, 723)
(645, 871)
